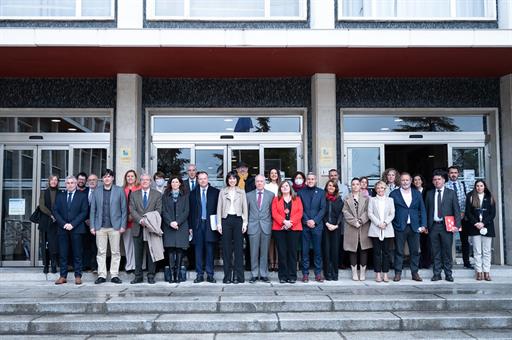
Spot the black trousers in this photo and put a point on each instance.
(363, 256)
(331, 249)
(441, 243)
(413, 241)
(464, 242)
(287, 243)
(425, 253)
(139, 246)
(381, 254)
(232, 246)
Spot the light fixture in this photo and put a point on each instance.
(230, 129)
(384, 129)
(228, 120)
(398, 120)
(72, 129)
(55, 120)
(431, 156)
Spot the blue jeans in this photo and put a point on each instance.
(314, 237)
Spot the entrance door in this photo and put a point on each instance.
(24, 174)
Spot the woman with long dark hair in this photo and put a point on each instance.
(175, 209)
(47, 226)
(479, 221)
(333, 229)
(274, 180)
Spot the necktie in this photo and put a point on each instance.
(70, 196)
(259, 199)
(145, 200)
(193, 184)
(203, 204)
(439, 214)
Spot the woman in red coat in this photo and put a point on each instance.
(286, 229)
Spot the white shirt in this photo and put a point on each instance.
(381, 205)
(407, 196)
(437, 219)
(231, 194)
(481, 198)
(272, 187)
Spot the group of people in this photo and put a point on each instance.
(281, 222)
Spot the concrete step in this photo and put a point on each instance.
(10, 274)
(256, 304)
(252, 322)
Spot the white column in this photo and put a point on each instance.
(506, 161)
(128, 124)
(322, 14)
(504, 14)
(323, 102)
(130, 14)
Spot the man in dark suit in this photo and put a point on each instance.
(441, 202)
(204, 204)
(189, 185)
(70, 211)
(410, 220)
(191, 182)
(314, 203)
(142, 201)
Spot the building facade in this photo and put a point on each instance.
(310, 85)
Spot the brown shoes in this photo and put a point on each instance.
(78, 280)
(398, 277)
(61, 280)
(417, 277)
(479, 276)
(487, 276)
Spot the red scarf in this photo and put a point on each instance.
(331, 197)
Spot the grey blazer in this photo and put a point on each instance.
(260, 219)
(137, 208)
(118, 208)
(389, 215)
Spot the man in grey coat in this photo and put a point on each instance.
(142, 201)
(259, 229)
(108, 218)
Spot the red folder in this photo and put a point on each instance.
(449, 222)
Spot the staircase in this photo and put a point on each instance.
(341, 309)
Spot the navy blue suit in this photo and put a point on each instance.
(314, 203)
(203, 236)
(416, 215)
(75, 214)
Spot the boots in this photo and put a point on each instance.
(378, 277)
(487, 276)
(179, 259)
(385, 278)
(362, 274)
(355, 277)
(479, 276)
(172, 267)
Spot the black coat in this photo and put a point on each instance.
(449, 206)
(46, 224)
(212, 197)
(178, 212)
(75, 215)
(472, 216)
(334, 214)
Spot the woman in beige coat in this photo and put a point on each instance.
(357, 224)
(381, 211)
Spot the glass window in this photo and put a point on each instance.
(55, 124)
(283, 159)
(211, 161)
(250, 157)
(470, 159)
(418, 9)
(173, 161)
(226, 124)
(364, 161)
(414, 124)
(90, 161)
(55, 8)
(227, 9)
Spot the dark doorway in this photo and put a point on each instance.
(417, 159)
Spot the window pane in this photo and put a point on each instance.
(55, 124)
(283, 159)
(423, 8)
(250, 157)
(54, 162)
(90, 161)
(414, 124)
(96, 8)
(169, 8)
(470, 8)
(227, 8)
(173, 161)
(364, 162)
(285, 8)
(470, 159)
(38, 8)
(212, 161)
(384, 9)
(227, 124)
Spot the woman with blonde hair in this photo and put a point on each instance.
(130, 184)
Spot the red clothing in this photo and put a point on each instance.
(278, 214)
(127, 190)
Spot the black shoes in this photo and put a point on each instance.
(100, 280)
(116, 280)
(199, 279)
(449, 278)
(468, 266)
(253, 280)
(264, 279)
(436, 278)
(211, 279)
(136, 280)
(151, 280)
(226, 281)
(282, 281)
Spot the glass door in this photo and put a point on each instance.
(18, 201)
(364, 160)
(212, 159)
(247, 154)
(287, 159)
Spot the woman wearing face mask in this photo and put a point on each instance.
(159, 179)
(299, 181)
(131, 184)
(479, 221)
(175, 209)
(357, 225)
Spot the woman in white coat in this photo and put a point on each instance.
(381, 211)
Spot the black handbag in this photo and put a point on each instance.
(36, 216)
